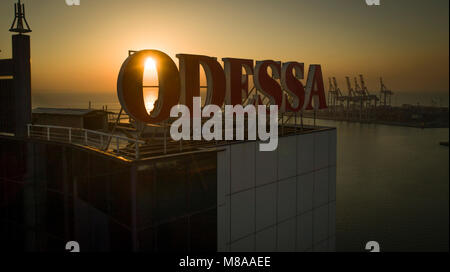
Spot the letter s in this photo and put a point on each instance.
(291, 84)
(267, 84)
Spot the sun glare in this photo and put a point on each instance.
(149, 100)
(150, 64)
(150, 84)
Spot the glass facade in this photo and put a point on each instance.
(51, 194)
(234, 198)
(7, 105)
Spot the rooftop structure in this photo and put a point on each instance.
(20, 24)
(74, 118)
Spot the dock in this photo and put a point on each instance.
(358, 104)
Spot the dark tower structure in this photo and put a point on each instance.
(15, 89)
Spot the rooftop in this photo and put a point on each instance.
(62, 111)
(129, 147)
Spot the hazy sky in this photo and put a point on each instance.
(82, 48)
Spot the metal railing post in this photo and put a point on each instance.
(165, 140)
(45, 133)
(137, 150)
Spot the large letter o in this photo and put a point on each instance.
(130, 81)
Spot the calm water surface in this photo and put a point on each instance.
(392, 187)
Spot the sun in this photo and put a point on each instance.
(150, 64)
(150, 100)
(150, 84)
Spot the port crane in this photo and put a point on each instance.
(351, 92)
(370, 97)
(385, 94)
(358, 101)
(339, 95)
(335, 96)
(331, 93)
(352, 96)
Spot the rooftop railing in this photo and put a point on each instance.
(110, 143)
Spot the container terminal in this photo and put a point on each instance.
(358, 104)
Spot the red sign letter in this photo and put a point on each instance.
(291, 84)
(130, 81)
(267, 84)
(190, 79)
(236, 81)
(315, 89)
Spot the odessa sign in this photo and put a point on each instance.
(179, 92)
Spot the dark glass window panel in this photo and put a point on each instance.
(3, 200)
(100, 165)
(120, 237)
(203, 230)
(98, 192)
(15, 161)
(100, 237)
(173, 236)
(121, 197)
(83, 224)
(15, 196)
(146, 201)
(55, 244)
(55, 216)
(80, 163)
(4, 236)
(201, 179)
(70, 219)
(202, 191)
(55, 168)
(147, 240)
(82, 187)
(171, 193)
(12, 237)
(3, 158)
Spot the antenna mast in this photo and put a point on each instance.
(18, 25)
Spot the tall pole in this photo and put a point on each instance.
(22, 83)
(21, 70)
